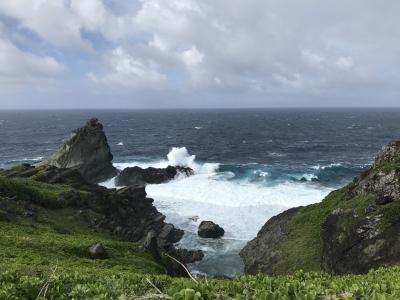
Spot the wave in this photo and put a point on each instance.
(240, 198)
(176, 157)
(39, 158)
(333, 165)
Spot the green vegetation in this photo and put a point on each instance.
(302, 247)
(67, 283)
(46, 257)
(32, 191)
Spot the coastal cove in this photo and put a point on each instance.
(272, 162)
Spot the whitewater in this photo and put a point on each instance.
(241, 207)
(249, 164)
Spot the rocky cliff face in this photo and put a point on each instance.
(87, 151)
(126, 214)
(352, 230)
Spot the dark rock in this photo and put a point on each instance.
(139, 176)
(150, 245)
(208, 229)
(382, 200)
(262, 254)
(87, 151)
(97, 251)
(188, 256)
(135, 191)
(171, 234)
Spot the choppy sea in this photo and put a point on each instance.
(250, 164)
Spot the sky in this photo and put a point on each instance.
(199, 53)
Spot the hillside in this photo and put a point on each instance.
(44, 255)
(352, 230)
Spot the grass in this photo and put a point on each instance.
(47, 257)
(32, 191)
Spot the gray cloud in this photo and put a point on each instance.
(192, 53)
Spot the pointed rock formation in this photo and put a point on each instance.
(87, 151)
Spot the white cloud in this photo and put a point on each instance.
(271, 47)
(92, 13)
(50, 19)
(345, 63)
(129, 71)
(192, 57)
(20, 68)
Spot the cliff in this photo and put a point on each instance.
(352, 230)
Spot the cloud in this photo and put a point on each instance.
(20, 68)
(227, 50)
(127, 71)
(345, 63)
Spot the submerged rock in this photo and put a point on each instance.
(98, 251)
(352, 230)
(87, 151)
(137, 175)
(208, 229)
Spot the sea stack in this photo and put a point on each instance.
(87, 150)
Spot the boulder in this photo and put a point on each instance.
(208, 229)
(137, 175)
(87, 151)
(97, 251)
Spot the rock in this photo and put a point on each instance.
(97, 251)
(137, 175)
(208, 229)
(194, 218)
(262, 254)
(87, 151)
(171, 234)
(188, 256)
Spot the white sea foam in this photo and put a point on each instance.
(319, 167)
(120, 144)
(39, 158)
(240, 207)
(176, 157)
(198, 127)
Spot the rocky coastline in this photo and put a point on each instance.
(352, 230)
(127, 213)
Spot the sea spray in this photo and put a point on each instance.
(240, 206)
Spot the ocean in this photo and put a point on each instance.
(250, 164)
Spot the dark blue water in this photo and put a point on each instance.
(252, 164)
(285, 141)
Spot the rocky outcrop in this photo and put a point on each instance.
(358, 238)
(208, 229)
(87, 151)
(137, 175)
(261, 254)
(127, 213)
(352, 230)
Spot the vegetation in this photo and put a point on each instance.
(46, 257)
(99, 283)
